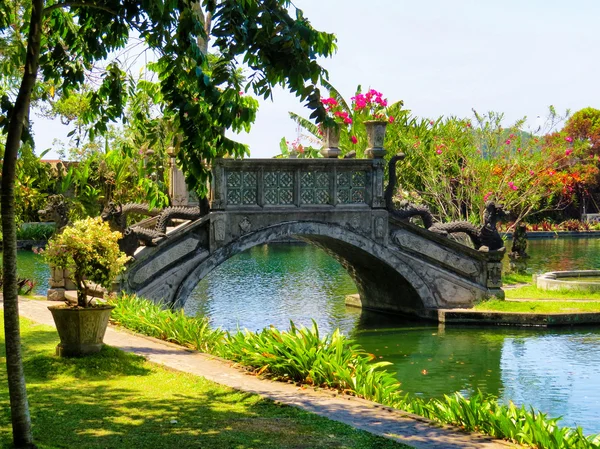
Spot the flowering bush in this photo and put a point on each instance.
(455, 166)
(336, 112)
(89, 250)
(371, 106)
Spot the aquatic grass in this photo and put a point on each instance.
(484, 414)
(148, 318)
(302, 355)
(305, 356)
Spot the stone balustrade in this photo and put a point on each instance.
(297, 183)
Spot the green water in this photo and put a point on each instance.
(32, 266)
(556, 370)
(581, 279)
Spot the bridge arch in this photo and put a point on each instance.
(384, 279)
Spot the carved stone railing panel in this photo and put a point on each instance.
(278, 188)
(351, 187)
(315, 187)
(258, 183)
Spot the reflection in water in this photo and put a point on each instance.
(273, 284)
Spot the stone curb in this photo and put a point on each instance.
(454, 316)
(374, 418)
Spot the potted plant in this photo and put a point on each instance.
(331, 129)
(372, 108)
(89, 250)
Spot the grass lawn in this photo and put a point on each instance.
(515, 278)
(118, 400)
(538, 306)
(532, 292)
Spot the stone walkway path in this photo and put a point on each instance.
(361, 414)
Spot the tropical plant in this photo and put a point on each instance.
(35, 231)
(89, 250)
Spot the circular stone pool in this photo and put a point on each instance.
(588, 280)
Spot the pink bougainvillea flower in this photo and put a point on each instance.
(438, 151)
(569, 139)
(347, 120)
(391, 119)
(354, 139)
(241, 92)
(568, 151)
(507, 142)
(531, 172)
(487, 195)
(512, 186)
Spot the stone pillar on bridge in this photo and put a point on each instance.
(178, 191)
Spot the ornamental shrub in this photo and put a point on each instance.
(89, 250)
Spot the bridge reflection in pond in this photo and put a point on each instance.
(557, 371)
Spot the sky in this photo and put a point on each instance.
(442, 57)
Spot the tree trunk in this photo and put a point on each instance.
(19, 406)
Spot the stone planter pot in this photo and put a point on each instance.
(331, 142)
(375, 138)
(81, 331)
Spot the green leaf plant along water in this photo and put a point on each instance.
(334, 361)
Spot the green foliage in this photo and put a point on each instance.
(90, 251)
(302, 355)
(334, 361)
(484, 414)
(35, 231)
(584, 125)
(150, 319)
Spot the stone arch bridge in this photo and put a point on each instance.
(336, 204)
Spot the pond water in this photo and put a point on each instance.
(556, 371)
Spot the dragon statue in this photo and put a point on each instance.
(56, 210)
(486, 238)
(181, 212)
(116, 215)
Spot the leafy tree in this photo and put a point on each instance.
(64, 39)
(584, 125)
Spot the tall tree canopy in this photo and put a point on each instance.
(56, 43)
